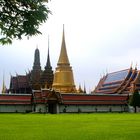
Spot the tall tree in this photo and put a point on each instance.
(135, 100)
(20, 18)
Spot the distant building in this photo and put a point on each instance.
(49, 101)
(120, 82)
(20, 84)
(54, 102)
(42, 91)
(34, 79)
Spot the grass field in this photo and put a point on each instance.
(70, 127)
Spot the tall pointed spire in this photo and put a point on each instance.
(84, 88)
(136, 66)
(48, 64)
(36, 71)
(3, 86)
(47, 74)
(131, 65)
(37, 60)
(63, 78)
(63, 58)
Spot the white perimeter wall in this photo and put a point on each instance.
(41, 108)
(16, 108)
(91, 108)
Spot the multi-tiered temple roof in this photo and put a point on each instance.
(35, 79)
(20, 84)
(120, 82)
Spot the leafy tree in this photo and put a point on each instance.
(20, 18)
(135, 100)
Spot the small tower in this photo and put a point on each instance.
(63, 76)
(47, 74)
(36, 65)
(80, 89)
(85, 89)
(36, 71)
(4, 89)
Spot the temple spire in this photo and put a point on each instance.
(47, 74)
(131, 65)
(63, 77)
(136, 66)
(37, 60)
(84, 88)
(3, 86)
(63, 58)
(79, 89)
(36, 71)
(48, 64)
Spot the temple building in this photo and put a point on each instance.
(20, 84)
(50, 101)
(34, 79)
(63, 76)
(120, 82)
(46, 92)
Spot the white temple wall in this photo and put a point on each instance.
(91, 108)
(41, 108)
(15, 108)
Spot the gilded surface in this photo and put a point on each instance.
(63, 77)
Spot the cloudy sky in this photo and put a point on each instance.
(101, 36)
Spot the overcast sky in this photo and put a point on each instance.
(101, 36)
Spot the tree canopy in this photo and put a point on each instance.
(20, 18)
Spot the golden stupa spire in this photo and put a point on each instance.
(3, 86)
(63, 58)
(63, 77)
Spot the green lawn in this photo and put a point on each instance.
(70, 126)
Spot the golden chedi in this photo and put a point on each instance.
(63, 77)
